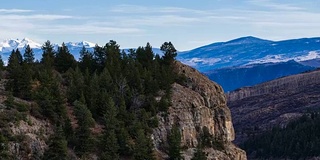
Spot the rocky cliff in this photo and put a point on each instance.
(196, 104)
(276, 102)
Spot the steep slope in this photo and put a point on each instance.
(198, 104)
(235, 77)
(273, 103)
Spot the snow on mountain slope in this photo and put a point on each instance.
(250, 50)
(238, 52)
(8, 45)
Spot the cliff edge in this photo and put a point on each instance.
(196, 104)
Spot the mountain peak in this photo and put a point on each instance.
(80, 44)
(248, 39)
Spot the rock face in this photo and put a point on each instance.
(273, 103)
(34, 134)
(197, 104)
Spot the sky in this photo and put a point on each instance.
(132, 23)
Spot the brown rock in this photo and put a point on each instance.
(197, 104)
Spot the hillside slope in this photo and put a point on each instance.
(273, 103)
(197, 104)
(236, 77)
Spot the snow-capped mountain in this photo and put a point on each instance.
(8, 45)
(250, 50)
(249, 60)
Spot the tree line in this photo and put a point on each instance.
(300, 139)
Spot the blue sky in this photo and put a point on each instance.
(188, 24)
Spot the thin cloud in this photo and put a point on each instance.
(159, 20)
(87, 29)
(48, 17)
(276, 6)
(14, 11)
(135, 9)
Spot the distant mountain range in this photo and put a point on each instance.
(237, 63)
(249, 60)
(250, 50)
(8, 45)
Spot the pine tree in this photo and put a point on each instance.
(113, 58)
(174, 141)
(1, 64)
(145, 55)
(99, 57)
(76, 84)
(24, 82)
(57, 147)
(85, 141)
(143, 148)
(28, 55)
(14, 61)
(15, 73)
(86, 60)
(64, 59)
(93, 95)
(123, 141)
(48, 54)
(169, 51)
(109, 144)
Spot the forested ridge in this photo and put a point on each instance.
(300, 139)
(115, 97)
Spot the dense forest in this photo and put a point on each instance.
(113, 96)
(300, 139)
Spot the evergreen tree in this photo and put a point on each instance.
(169, 51)
(85, 141)
(124, 142)
(64, 59)
(28, 55)
(143, 148)
(57, 147)
(76, 85)
(48, 54)
(15, 73)
(145, 55)
(106, 81)
(24, 82)
(14, 62)
(113, 55)
(174, 141)
(110, 145)
(99, 57)
(86, 60)
(1, 64)
(94, 95)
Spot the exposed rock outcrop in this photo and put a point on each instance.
(197, 104)
(32, 136)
